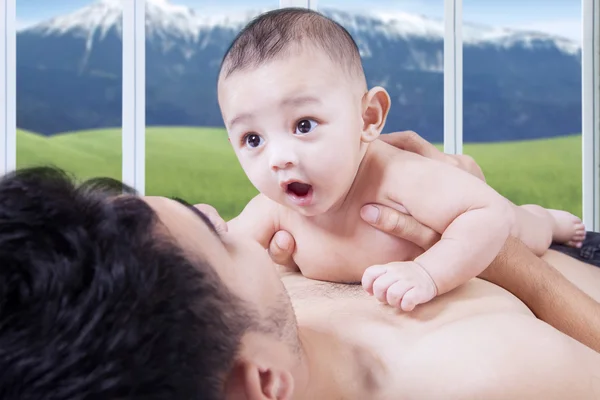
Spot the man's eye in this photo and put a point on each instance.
(305, 126)
(253, 140)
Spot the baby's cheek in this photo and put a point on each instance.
(255, 172)
(264, 182)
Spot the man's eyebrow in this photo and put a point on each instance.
(199, 213)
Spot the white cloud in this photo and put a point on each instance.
(22, 23)
(568, 28)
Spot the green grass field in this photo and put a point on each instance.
(197, 164)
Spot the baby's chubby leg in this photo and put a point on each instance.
(538, 227)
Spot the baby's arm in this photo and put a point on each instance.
(468, 245)
(258, 220)
(473, 219)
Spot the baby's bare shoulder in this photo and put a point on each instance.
(407, 164)
(431, 190)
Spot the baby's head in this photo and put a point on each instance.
(295, 103)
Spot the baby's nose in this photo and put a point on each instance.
(281, 159)
(280, 164)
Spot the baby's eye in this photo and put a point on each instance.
(253, 140)
(305, 126)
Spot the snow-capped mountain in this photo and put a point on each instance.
(511, 78)
(165, 19)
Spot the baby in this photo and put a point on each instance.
(303, 125)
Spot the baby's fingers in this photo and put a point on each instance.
(419, 294)
(411, 299)
(370, 275)
(397, 292)
(382, 285)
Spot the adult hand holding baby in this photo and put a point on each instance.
(384, 218)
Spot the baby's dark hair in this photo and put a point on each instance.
(274, 33)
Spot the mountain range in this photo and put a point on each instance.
(516, 84)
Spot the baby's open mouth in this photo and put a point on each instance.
(299, 189)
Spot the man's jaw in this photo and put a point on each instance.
(313, 376)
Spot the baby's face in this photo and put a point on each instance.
(295, 125)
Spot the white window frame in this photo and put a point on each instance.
(590, 102)
(453, 77)
(134, 95)
(8, 94)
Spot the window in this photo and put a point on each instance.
(402, 50)
(187, 152)
(522, 98)
(69, 85)
(521, 116)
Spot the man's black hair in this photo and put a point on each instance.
(272, 34)
(97, 302)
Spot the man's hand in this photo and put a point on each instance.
(402, 225)
(410, 141)
(281, 249)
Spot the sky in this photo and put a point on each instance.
(558, 17)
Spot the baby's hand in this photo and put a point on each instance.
(213, 215)
(399, 284)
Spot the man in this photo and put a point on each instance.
(107, 295)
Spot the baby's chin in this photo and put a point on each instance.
(317, 208)
(309, 212)
(314, 209)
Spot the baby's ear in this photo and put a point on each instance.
(375, 107)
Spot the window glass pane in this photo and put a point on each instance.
(402, 49)
(187, 152)
(69, 68)
(522, 98)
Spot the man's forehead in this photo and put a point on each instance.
(160, 205)
(194, 234)
(178, 215)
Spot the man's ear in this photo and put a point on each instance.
(375, 105)
(249, 381)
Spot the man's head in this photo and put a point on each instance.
(108, 295)
(293, 96)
